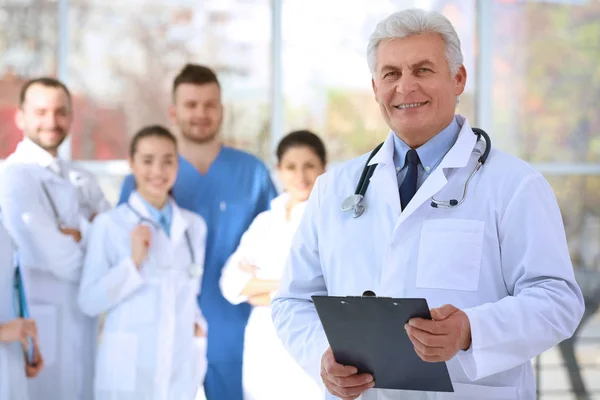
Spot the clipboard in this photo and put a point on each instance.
(368, 333)
(21, 309)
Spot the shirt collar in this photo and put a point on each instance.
(430, 153)
(32, 153)
(166, 212)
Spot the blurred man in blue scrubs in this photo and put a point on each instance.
(228, 188)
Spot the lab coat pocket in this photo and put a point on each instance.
(140, 307)
(463, 391)
(116, 362)
(450, 254)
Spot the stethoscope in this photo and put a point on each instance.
(195, 269)
(355, 204)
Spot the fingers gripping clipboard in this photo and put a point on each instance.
(368, 333)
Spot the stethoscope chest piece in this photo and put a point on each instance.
(354, 203)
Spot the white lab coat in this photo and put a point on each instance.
(501, 256)
(89, 194)
(13, 382)
(147, 348)
(53, 262)
(268, 369)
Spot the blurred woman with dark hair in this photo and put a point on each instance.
(252, 273)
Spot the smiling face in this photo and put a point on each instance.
(415, 88)
(45, 116)
(197, 111)
(154, 166)
(298, 170)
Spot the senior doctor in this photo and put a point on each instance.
(495, 269)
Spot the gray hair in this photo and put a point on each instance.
(415, 22)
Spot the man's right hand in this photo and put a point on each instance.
(343, 381)
(74, 233)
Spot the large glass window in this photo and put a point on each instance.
(123, 56)
(546, 92)
(28, 42)
(119, 58)
(326, 80)
(545, 96)
(546, 80)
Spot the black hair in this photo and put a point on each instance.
(302, 138)
(196, 75)
(44, 81)
(150, 131)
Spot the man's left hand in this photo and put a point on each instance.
(31, 371)
(441, 338)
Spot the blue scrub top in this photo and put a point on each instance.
(236, 188)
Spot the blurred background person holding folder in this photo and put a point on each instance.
(47, 205)
(143, 267)
(494, 267)
(14, 330)
(252, 273)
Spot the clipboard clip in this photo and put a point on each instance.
(370, 293)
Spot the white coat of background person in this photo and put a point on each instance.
(253, 271)
(47, 205)
(14, 331)
(495, 269)
(143, 271)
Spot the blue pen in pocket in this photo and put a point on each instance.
(21, 309)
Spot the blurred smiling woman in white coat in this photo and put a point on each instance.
(142, 269)
(252, 273)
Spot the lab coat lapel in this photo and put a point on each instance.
(178, 225)
(457, 157)
(434, 183)
(28, 152)
(136, 202)
(48, 175)
(384, 182)
(164, 249)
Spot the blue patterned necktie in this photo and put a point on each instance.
(408, 188)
